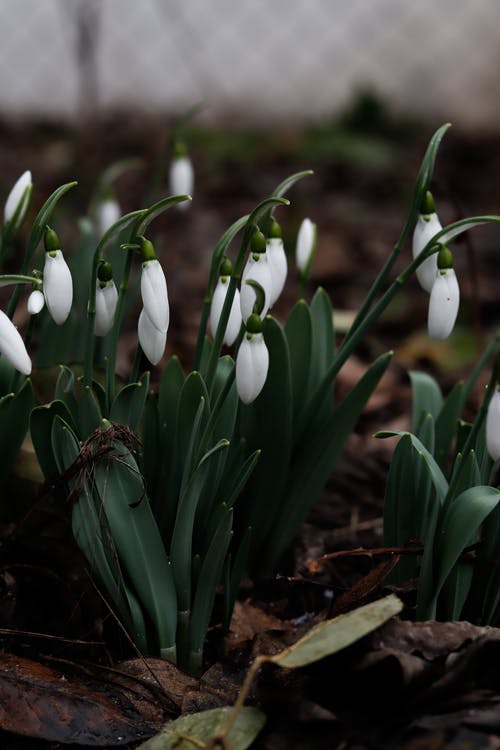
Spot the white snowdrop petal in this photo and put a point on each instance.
(12, 345)
(425, 229)
(181, 178)
(234, 322)
(443, 304)
(15, 197)
(108, 213)
(493, 427)
(305, 244)
(36, 301)
(105, 306)
(152, 340)
(278, 264)
(154, 294)
(57, 286)
(252, 364)
(260, 271)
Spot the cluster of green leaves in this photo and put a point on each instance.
(438, 493)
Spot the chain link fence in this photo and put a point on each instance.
(267, 61)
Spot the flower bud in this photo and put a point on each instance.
(36, 301)
(108, 212)
(12, 345)
(257, 269)
(427, 226)
(443, 304)
(493, 426)
(278, 264)
(305, 246)
(181, 174)
(106, 298)
(234, 321)
(152, 340)
(155, 295)
(57, 282)
(18, 200)
(252, 364)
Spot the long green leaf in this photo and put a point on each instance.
(128, 406)
(426, 399)
(15, 410)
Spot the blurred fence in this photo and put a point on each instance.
(251, 58)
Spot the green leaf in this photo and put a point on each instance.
(446, 422)
(65, 390)
(299, 333)
(44, 215)
(458, 227)
(426, 399)
(332, 636)
(151, 213)
(41, 428)
(15, 410)
(424, 176)
(201, 727)
(90, 416)
(129, 403)
(137, 539)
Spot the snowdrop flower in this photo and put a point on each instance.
(257, 269)
(218, 298)
(108, 212)
(277, 261)
(252, 361)
(106, 298)
(36, 301)
(152, 340)
(181, 174)
(445, 297)
(12, 345)
(427, 226)
(19, 199)
(493, 426)
(57, 282)
(154, 288)
(305, 246)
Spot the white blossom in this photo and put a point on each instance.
(12, 345)
(181, 178)
(276, 255)
(427, 226)
(257, 270)
(305, 245)
(234, 321)
(493, 426)
(20, 192)
(252, 364)
(154, 294)
(443, 304)
(36, 301)
(106, 298)
(108, 212)
(152, 340)
(57, 286)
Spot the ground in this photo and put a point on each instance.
(407, 685)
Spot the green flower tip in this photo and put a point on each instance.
(258, 242)
(445, 258)
(274, 229)
(179, 149)
(254, 324)
(226, 267)
(146, 249)
(51, 240)
(428, 206)
(104, 271)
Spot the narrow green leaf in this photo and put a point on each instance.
(89, 413)
(15, 410)
(426, 399)
(41, 427)
(44, 215)
(128, 406)
(446, 422)
(65, 390)
(298, 331)
(156, 210)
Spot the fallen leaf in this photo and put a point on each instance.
(196, 730)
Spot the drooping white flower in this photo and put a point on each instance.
(443, 304)
(257, 269)
(155, 295)
(234, 321)
(12, 345)
(252, 364)
(152, 340)
(36, 301)
(108, 212)
(278, 264)
(493, 426)
(181, 178)
(305, 245)
(19, 197)
(427, 226)
(57, 286)
(106, 297)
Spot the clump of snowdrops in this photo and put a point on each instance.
(177, 493)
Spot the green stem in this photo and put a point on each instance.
(136, 364)
(120, 307)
